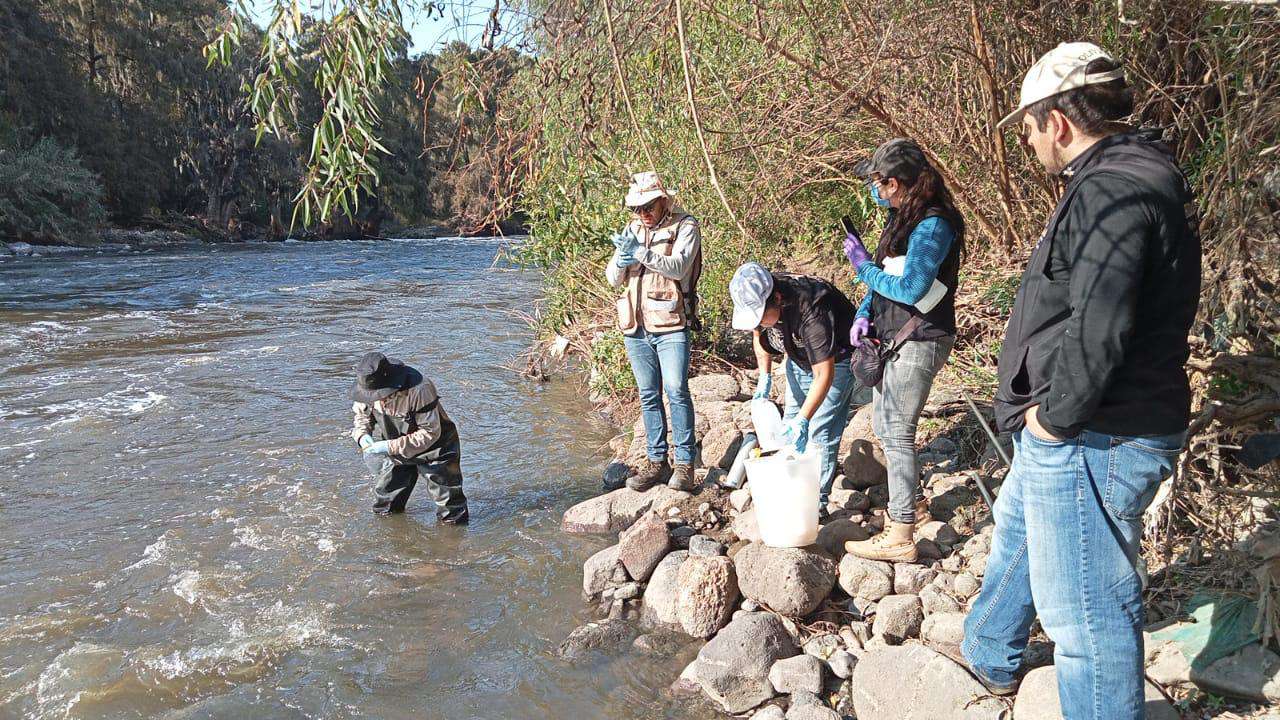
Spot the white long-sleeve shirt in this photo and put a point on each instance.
(676, 266)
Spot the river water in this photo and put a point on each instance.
(184, 524)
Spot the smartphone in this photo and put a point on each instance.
(849, 227)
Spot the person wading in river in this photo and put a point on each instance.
(404, 433)
(808, 320)
(657, 259)
(1093, 386)
(910, 304)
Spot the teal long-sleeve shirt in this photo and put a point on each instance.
(927, 249)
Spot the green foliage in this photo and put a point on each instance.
(611, 370)
(47, 195)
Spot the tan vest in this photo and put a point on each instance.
(651, 298)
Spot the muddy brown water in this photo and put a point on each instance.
(184, 525)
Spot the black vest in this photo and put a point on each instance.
(889, 315)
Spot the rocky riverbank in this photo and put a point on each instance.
(813, 633)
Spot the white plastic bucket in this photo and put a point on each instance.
(784, 491)
(768, 423)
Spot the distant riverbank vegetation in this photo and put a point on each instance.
(111, 114)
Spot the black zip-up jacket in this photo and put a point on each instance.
(1098, 333)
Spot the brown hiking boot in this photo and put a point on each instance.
(895, 544)
(648, 474)
(953, 651)
(682, 478)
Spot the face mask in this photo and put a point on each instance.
(875, 194)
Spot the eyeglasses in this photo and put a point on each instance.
(646, 208)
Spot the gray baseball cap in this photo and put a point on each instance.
(898, 158)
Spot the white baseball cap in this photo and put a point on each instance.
(750, 289)
(646, 186)
(1059, 70)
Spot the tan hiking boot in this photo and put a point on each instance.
(682, 478)
(895, 544)
(922, 515)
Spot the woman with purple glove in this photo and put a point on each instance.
(911, 280)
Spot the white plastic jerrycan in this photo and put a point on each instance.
(784, 491)
(768, 423)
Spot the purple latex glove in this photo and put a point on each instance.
(861, 327)
(855, 250)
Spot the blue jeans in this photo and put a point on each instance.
(661, 363)
(828, 422)
(895, 415)
(1067, 537)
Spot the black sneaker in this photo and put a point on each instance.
(648, 474)
(682, 478)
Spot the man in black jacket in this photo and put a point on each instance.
(405, 434)
(1092, 384)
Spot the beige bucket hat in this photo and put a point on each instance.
(1059, 70)
(646, 186)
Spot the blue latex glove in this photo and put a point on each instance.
(381, 447)
(763, 386)
(861, 327)
(855, 250)
(365, 441)
(626, 243)
(795, 433)
(625, 260)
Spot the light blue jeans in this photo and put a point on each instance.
(660, 363)
(828, 422)
(1068, 532)
(895, 415)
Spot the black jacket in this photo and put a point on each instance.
(815, 321)
(1098, 333)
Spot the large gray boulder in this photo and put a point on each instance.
(898, 617)
(643, 545)
(710, 388)
(617, 510)
(791, 581)
(661, 595)
(602, 635)
(733, 668)
(708, 594)
(865, 579)
(913, 682)
(597, 570)
(1038, 699)
(793, 674)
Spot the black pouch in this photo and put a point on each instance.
(870, 358)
